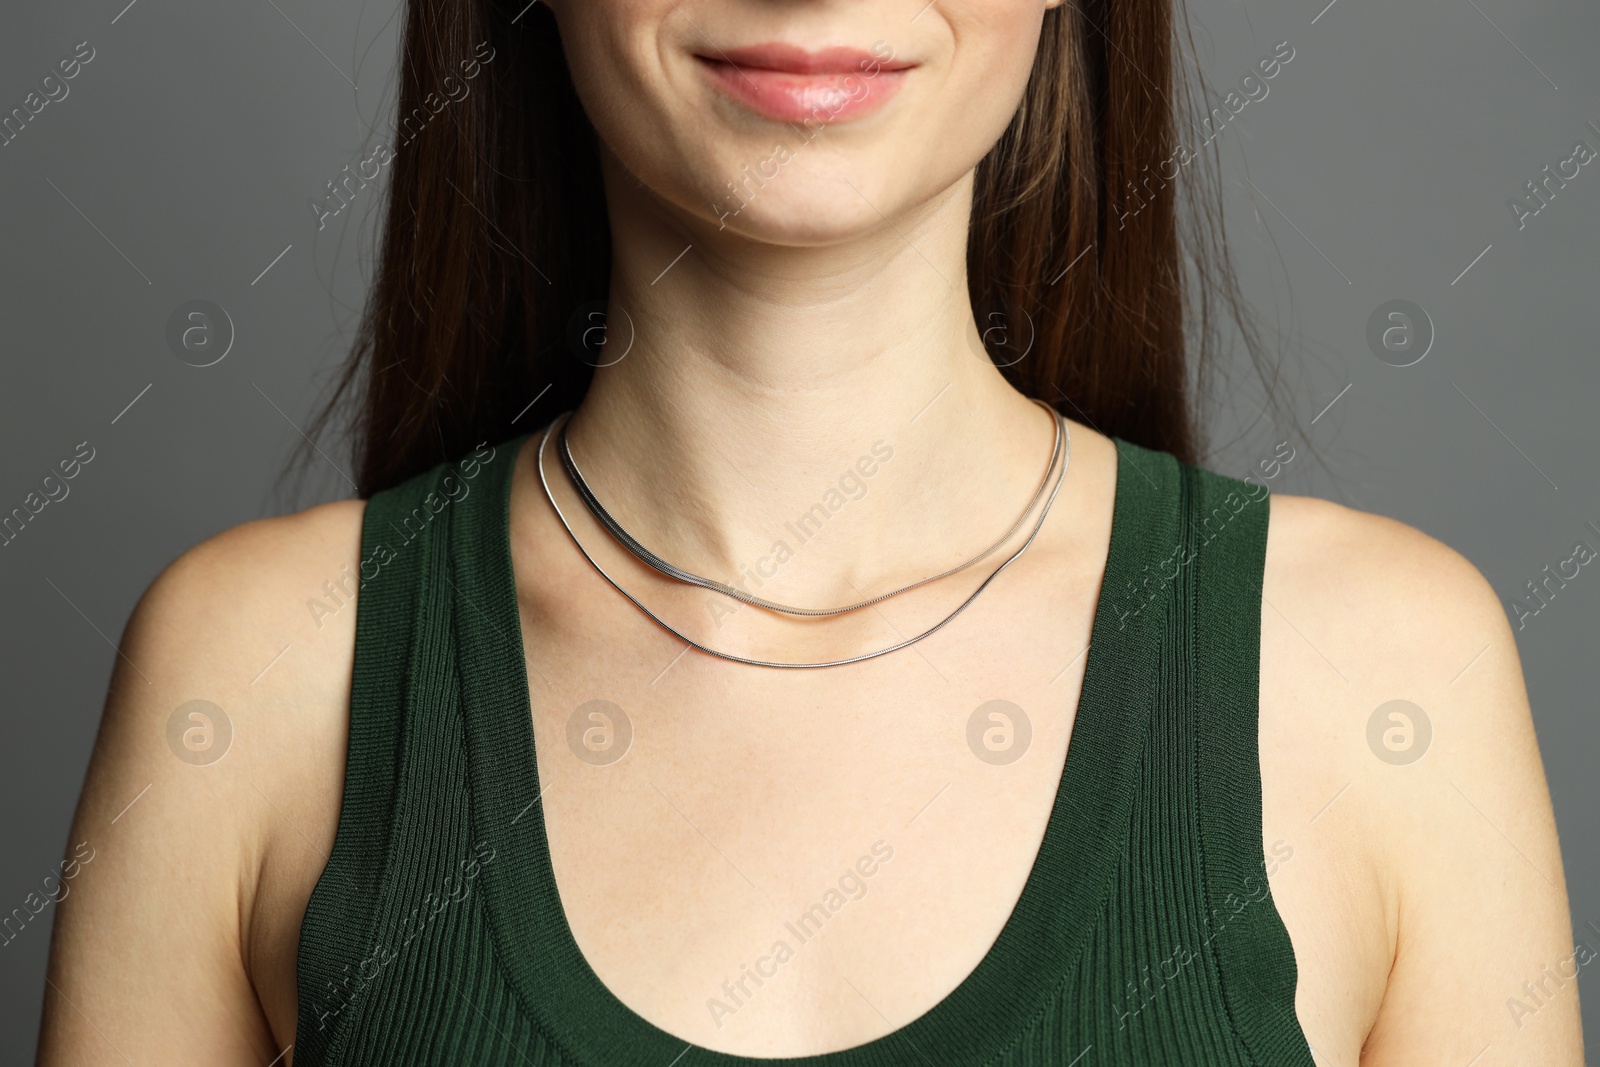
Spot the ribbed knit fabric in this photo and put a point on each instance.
(1145, 934)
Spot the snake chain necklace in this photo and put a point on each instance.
(1061, 451)
(614, 528)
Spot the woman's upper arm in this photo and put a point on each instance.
(150, 957)
(1406, 707)
(1485, 955)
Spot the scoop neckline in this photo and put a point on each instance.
(1048, 926)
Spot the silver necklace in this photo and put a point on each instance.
(627, 540)
(1062, 431)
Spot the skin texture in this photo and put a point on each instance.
(819, 320)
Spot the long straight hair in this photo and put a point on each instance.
(496, 235)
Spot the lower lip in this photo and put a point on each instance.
(818, 98)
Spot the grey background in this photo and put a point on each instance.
(187, 149)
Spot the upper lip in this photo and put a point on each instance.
(791, 59)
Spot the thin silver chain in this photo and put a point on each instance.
(628, 541)
(1063, 433)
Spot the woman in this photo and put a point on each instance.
(560, 749)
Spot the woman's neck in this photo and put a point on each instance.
(763, 382)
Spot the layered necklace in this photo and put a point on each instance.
(1060, 454)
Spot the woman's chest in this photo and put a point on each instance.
(784, 862)
(778, 863)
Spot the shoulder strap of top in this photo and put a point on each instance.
(401, 630)
(1227, 522)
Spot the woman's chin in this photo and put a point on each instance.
(826, 212)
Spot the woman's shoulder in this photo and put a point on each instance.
(1362, 613)
(267, 545)
(260, 620)
(252, 591)
(258, 623)
(292, 580)
(1378, 591)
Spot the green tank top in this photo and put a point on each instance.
(1145, 933)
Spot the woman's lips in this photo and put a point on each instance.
(792, 85)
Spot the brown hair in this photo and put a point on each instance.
(496, 234)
